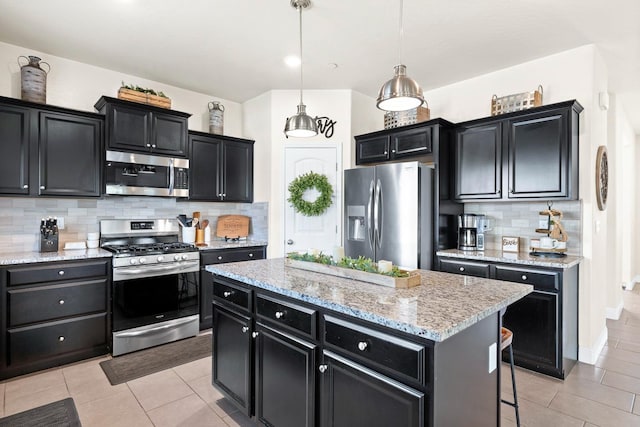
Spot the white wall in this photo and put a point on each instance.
(76, 85)
(574, 74)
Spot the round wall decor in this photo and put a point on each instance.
(305, 182)
(602, 177)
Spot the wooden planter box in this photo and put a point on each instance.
(414, 278)
(143, 98)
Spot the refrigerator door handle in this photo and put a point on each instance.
(376, 213)
(368, 213)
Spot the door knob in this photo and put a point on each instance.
(289, 242)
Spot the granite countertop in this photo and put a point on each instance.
(443, 305)
(9, 258)
(512, 258)
(222, 244)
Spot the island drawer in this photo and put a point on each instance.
(56, 271)
(38, 342)
(231, 294)
(232, 255)
(469, 268)
(287, 314)
(541, 280)
(386, 352)
(40, 303)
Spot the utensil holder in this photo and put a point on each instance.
(188, 234)
(49, 244)
(200, 236)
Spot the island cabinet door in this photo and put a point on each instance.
(285, 379)
(352, 395)
(232, 367)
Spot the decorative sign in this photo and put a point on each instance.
(325, 126)
(510, 244)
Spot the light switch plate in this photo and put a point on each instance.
(493, 356)
(60, 223)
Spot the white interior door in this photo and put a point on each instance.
(313, 232)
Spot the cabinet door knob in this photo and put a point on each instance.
(42, 187)
(279, 314)
(461, 268)
(245, 329)
(289, 242)
(250, 255)
(255, 334)
(60, 338)
(393, 151)
(386, 152)
(148, 145)
(524, 277)
(61, 302)
(219, 257)
(227, 294)
(362, 345)
(25, 186)
(153, 145)
(61, 273)
(322, 368)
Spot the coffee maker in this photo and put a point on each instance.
(467, 232)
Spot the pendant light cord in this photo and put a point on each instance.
(300, 11)
(401, 34)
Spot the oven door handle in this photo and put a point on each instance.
(150, 331)
(149, 269)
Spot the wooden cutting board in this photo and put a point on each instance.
(233, 226)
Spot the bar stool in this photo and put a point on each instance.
(506, 340)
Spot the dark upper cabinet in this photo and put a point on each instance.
(478, 161)
(137, 127)
(220, 168)
(526, 155)
(14, 149)
(70, 151)
(402, 143)
(49, 151)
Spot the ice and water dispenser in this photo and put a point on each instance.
(355, 222)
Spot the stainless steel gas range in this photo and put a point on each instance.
(155, 283)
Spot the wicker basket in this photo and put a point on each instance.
(393, 119)
(143, 98)
(517, 102)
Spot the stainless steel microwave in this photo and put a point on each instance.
(146, 175)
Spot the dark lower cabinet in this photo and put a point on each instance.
(285, 379)
(232, 365)
(353, 395)
(53, 313)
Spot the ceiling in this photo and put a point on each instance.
(235, 49)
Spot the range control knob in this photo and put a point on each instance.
(133, 261)
(142, 260)
(184, 257)
(176, 257)
(160, 258)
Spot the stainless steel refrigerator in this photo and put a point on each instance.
(389, 213)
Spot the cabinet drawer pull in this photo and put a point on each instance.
(227, 294)
(250, 255)
(61, 273)
(61, 302)
(322, 368)
(255, 334)
(219, 257)
(245, 329)
(279, 314)
(461, 269)
(362, 345)
(524, 277)
(60, 338)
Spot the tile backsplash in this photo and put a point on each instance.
(20, 217)
(520, 219)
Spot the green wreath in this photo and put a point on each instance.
(305, 182)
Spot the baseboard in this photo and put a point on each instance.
(614, 313)
(590, 354)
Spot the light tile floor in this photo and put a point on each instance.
(606, 394)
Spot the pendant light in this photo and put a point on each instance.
(401, 93)
(301, 124)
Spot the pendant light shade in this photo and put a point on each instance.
(300, 125)
(401, 92)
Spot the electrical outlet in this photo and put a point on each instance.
(60, 223)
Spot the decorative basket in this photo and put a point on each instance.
(393, 119)
(517, 102)
(143, 98)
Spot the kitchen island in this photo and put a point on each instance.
(297, 348)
